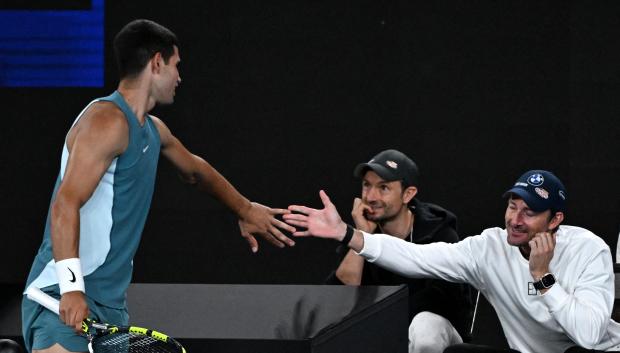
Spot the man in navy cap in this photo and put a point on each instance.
(551, 285)
(439, 311)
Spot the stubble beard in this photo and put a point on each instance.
(385, 218)
(521, 242)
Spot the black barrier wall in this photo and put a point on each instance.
(285, 98)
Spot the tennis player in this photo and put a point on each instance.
(103, 194)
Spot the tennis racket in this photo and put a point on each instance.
(106, 338)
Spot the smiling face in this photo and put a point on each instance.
(522, 224)
(386, 198)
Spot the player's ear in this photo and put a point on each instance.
(409, 193)
(156, 62)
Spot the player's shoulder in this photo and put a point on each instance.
(162, 129)
(159, 124)
(156, 119)
(104, 123)
(104, 115)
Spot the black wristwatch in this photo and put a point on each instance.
(546, 281)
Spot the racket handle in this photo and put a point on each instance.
(35, 294)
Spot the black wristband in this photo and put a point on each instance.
(348, 235)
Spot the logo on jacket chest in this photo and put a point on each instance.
(530, 288)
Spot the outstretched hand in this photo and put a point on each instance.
(261, 220)
(325, 223)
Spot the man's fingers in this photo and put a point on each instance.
(283, 226)
(359, 206)
(324, 198)
(544, 242)
(302, 209)
(301, 234)
(302, 224)
(533, 244)
(251, 241)
(550, 241)
(275, 211)
(275, 232)
(78, 323)
(270, 238)
(295, 217)
(74, 320)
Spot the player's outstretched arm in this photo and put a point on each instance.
(254, 218)
(324, 223)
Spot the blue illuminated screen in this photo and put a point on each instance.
(52, 47)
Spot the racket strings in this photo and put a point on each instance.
(131, 343)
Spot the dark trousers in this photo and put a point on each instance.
(476, 348)
(581, 350)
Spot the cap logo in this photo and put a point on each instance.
(536, 179)
(542, 193)
(392, 164)
(561, 193)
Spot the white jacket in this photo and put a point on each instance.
(575, 311)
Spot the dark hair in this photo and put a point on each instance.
(138, 41)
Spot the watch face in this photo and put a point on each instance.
(548, 280)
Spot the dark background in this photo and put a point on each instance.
(285, 98)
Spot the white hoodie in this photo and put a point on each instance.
(575, 311)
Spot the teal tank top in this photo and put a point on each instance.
(112, 220)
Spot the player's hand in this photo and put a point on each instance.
(542, 247)
(360, 209)
(73, 309)
(261, 220)
(325, 223)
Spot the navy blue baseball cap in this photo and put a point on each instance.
(541, 190)
(391, 165)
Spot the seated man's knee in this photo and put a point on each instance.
(424, 319)
(430, 332)
(10, 346)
